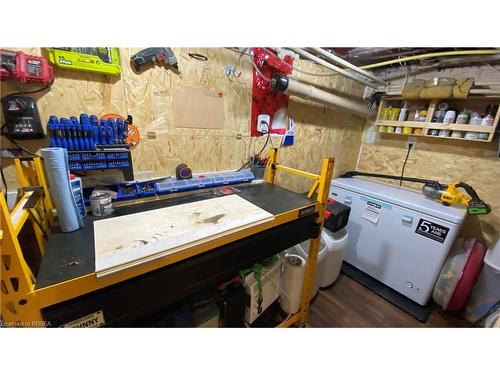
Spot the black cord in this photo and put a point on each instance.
(6, 135)
(32, 92)
(9, 67)
(258, 154)
(410, 145)
(198, 56)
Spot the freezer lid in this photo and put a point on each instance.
(401, 196)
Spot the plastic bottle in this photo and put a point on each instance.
(488, 120)
(475, 119)
(463, 117)
(449, 117)
(403, 114)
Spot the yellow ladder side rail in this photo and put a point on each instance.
(24, 174)
(18, 305)
(33, 174)
(322, 185)
(322, 198)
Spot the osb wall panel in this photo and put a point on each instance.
(320, 131)
(447, 162)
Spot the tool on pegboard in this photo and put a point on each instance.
(22, 119)
(129, 130)
(25, 68)
(265, 101)
(161, 55)
(105, 60)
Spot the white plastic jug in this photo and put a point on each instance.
(335, 244)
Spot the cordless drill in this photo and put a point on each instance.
(161, 55)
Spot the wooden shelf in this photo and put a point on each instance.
(462, 127)
(405, 124)
(476, 104)
(437, 125)
(458, 139)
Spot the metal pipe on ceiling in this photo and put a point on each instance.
(433, 54)
(307, 91)
(333, 67)
(347, 64)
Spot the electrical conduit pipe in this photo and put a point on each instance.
(333, 67)
(347, 64)
(432, 54)
(306, 91)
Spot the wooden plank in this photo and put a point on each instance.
(197, 108)
(408, 124)
(130, 240)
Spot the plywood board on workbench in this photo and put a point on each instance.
(126, 241)
(197, 108)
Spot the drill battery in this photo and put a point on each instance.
(25, 68)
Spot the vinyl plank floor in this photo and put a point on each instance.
(349, 304)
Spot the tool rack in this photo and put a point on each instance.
(66, 288)
(120, 158)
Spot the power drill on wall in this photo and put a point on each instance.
(161, 55)
(445, 194)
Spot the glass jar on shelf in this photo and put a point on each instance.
(457, 134)
(463, 117)
(475, 119)
(449, 117)
(440, 112)
(433, 132)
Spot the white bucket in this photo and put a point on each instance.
(302, 250)
(335, 244)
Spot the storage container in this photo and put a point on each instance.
(459, 274)
(302, 250)
(451, 273)
(469, 276)
(486, 292)
(270, 278)
(335, 244)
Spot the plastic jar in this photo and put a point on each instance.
(449, 117)
(434, 132)
(471, 135)
(457, 134)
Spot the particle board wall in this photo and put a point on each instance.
(320, 131)
(448, 162)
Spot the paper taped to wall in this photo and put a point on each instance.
(197, 108)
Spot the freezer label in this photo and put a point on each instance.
(372, 212)
(432, 230)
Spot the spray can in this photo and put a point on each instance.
(76, 188)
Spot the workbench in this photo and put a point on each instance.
(68, 289)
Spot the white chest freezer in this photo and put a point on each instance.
(396, 235)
